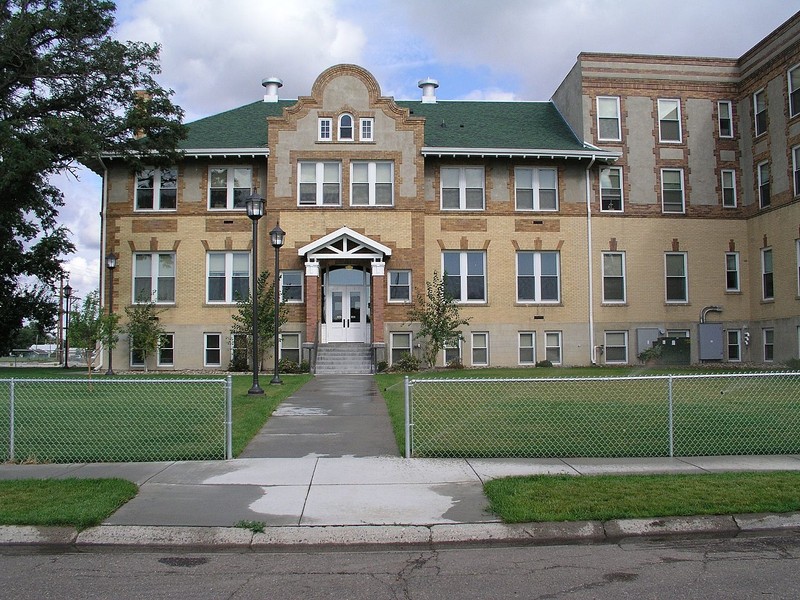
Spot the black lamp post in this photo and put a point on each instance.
(255, 210)
(111, 264)
(276, 236)
(67, 294)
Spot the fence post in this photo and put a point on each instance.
(407, 394)
(671, 424)
(11, 423)
(228, 417)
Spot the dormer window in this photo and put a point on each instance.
(345, 127)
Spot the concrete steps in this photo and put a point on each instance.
(339, 359)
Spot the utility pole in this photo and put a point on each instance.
(60, 327)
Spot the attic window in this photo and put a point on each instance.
(346, 127)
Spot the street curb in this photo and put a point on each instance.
(306, 536)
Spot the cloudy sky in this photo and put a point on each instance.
(214, 54)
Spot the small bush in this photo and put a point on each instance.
(382, 366)
(407, 363)
(239, 363)
(793, 364)
(455, 364)
(289, 366)
(544, 363)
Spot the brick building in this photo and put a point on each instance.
(652, 198)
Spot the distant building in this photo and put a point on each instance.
(652, 197)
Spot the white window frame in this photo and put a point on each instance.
(161, 347)
(735, 343)
(133, 355)
(736, 269)
(665, 106)
(664, 190)
(236, 348)
(366, 129)
(372, 182)
(462, 188)
(608, 100)
(325, 129)
(537, 276)
(767, 276)
(282, 338)
(553, 352)
(794, 93)
(759, 97)
(476, 335)
(796, 169)
(684, 277)
(394, 336)
(768, 344)
(531, 347)
(157, 177)
(764, 192)
(301, 286)
(603, 204)
(447, 353)
(729, 174)
(390, 285)
(231, 189)
(729, 108)
(535, 189)
(622, 276)
(464, 274)
(624, 346)
(342, 137)
(207, 348)
(156, 278)
(229, 292)
(319, 182)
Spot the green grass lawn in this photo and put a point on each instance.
(603, 497)
(77, 503)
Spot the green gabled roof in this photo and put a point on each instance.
(449, 124)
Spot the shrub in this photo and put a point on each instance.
(382, 366)
(407, 363)
(455, 364)
(289, 366)
(544, 363)
(793, 364)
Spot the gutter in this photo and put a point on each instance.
(540, 153)
(592, 347)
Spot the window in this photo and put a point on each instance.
(325, 130)
(292, 286)
(462, 188)
(796, 169)
(608, 118)
(229, 187)
(527, 348)
(372, 183)
(153, 277)
(345, 127)
(676, 281)
(536, 189)
(616, 346)
(399, 286)
(734, 345)
(212, 349)
(240, 351)
(767, 283)
(157, 189)
(669, 120)
(763, 184)
(672, 191)
(367, 128)
(465, 275)
(552, 346)
(732, 272)
(480, 349)
(725, 116)
(611, 189)
(768, 335)
(760, 111)
(166, 350)
(136, 354)
(614, 277)
(401, 345)
(538, 277)
(290, 347)
(228, 277)
(794, 91)
(728, 188)
(319, 184)
(452, 353)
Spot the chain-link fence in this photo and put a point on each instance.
(114, 420)
(669, 415)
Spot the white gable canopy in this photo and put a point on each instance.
(344, 244)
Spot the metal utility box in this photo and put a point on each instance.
(710, 338)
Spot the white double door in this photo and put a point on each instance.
(347, 313)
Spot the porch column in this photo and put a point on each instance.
(312, 301)
(378, 300)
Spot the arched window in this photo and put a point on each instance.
(345, 127)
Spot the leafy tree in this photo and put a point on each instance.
(243, 318)
(89, 326)
(31, 333)
(68, 94)
(440, 317)
(143, 328)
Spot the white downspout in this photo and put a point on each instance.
(103, 240)
(592, 347)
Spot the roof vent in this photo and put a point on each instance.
(428, 90)
(271, 84)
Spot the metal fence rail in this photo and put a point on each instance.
(112, 420)
(661, 415)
